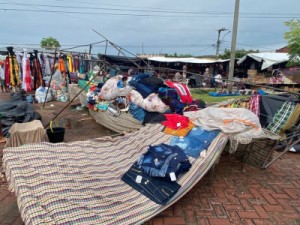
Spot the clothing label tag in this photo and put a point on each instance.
(181, 137)
(203, 154)
(178, 124)
(172, 176)
(138, 179)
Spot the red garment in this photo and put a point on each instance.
(7, 72)
(93, 88)
(27, 77)
(61, 65)
(37, 73)
(183, 91)
(254, 104)
(175, 121)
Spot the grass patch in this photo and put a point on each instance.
(204, 95)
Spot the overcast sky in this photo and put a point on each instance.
(154, 26)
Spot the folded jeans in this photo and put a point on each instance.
(154, 188)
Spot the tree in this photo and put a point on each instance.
(178, 55)
(293, 38)
(239, 53)
(49, 43)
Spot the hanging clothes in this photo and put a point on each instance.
(82, 69)
(61, 65)
(254, 104)
(76, 63)
(41, 58)
(19, 60)
(70, 63)
(27, 81)
(36, 71)
(13, 68)
(7, 71)
(48, 71)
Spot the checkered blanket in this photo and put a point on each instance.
(80, 182)
(281, 116)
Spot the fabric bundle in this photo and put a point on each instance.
(177, 125)
(183, 91)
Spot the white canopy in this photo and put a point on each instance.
(268, 58)
(185, 60)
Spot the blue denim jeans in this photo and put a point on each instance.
(137, 112)
(195, 141)
(154, 188)
(162, 160)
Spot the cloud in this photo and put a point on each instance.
(187, 27)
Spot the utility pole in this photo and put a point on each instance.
(233, 43)
(90, 49)
(218, 41)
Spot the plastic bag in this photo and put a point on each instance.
(40, 95)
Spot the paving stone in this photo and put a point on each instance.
(248, 215)
(174, 221)
(213, 221)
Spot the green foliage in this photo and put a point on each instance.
(238, 54)
(178, 55)
(293, 38)
(49, 43)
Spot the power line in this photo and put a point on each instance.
(155, 10)
(145, 15)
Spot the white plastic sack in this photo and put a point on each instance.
(40, 95)
(151, 104)
(110, 90)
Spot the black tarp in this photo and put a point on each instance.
(16, 110)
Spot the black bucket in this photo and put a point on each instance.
(57, 135)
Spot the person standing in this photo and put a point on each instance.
(184, 72)
(178, 76)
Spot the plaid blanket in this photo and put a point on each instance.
(80, 182)
(281, 116)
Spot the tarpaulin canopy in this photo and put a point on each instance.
(267, 58)
(185, 60)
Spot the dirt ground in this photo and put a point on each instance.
(78, 124)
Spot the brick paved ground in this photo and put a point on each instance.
(253, 196)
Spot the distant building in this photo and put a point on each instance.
(145, 56)
(284, 49)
